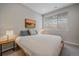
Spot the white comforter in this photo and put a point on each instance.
(40, 45)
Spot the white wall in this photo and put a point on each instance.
(72, 34)
(70, 50)
(12, 17)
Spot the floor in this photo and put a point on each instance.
(13, 53)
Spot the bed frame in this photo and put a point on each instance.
(62, 47)
(29, 54)
(23, 52)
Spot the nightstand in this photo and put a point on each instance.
(12, 39)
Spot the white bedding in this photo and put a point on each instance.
(40, 45)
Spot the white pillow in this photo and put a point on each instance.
(33, 31)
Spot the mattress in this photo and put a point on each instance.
(40, 45)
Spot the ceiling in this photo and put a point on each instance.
(44, 8)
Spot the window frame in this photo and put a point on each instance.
(65, 14)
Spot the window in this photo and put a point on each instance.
(56, 22)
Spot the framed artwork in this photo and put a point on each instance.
(30, 23)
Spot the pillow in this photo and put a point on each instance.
(24, 33)
(33, 32)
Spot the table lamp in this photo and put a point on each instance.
(9, 33)
(40, 31)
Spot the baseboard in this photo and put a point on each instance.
(71, 43)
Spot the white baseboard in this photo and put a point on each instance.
(71, 43)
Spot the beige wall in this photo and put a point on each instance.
(72, 34)
(12, 16)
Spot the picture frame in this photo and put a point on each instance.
(30, 23)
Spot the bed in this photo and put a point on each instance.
(41, 45)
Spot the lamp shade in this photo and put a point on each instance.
(40, 31)
(9, 32)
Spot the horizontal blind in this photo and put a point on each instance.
(56, 22)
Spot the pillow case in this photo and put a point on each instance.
(24, 33)
(33, 32)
